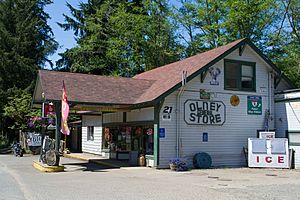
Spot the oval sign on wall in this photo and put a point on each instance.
(234, 100)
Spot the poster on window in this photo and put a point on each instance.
(254, 106)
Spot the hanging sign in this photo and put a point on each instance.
(198, 112)
(34, 139)
(48, 109)
(254, 106)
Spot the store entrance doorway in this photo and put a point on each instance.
(128, 142)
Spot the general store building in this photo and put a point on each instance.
(211, 102)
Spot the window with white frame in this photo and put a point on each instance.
(90, 133)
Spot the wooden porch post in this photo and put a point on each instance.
(57, 127)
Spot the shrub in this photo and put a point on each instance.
(179, 163)
(3, 142)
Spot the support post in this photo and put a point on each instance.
(57, 128)
(157, 108)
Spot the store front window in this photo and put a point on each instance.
(129, 138)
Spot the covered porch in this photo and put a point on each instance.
(113, 125)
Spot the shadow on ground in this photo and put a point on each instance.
(90, 166)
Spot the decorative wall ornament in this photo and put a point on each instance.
(234, 100)
(204, 94)
(214, 73)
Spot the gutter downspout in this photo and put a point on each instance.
(269, 111)
(178, 115)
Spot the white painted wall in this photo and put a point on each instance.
(95, 146)
(112, 117)
(225, 143)
(281, 121)
(287, 114)
(144, 114)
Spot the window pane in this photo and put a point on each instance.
(247, 71)
(90, 133)
(247, 77)
(247, 82)
(232, 75)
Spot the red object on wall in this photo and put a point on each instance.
(48, 109)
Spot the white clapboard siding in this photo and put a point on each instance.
(296, 156)
(293, 115)
(225, 143)
(281, 119)
(94, 146)
(287, 117)
(112, 117)
(144, 114)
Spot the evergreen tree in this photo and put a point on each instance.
(123, 38)
(25, 42)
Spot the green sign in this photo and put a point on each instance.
(254, 105)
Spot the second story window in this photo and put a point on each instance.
(239, 75)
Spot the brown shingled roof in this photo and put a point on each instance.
(92, 88)
(144, 87)
(168, 76)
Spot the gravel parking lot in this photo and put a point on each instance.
(82, 180)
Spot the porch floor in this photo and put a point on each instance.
(99, 160)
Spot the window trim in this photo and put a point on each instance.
(240, 63)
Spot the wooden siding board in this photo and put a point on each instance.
(94, 146)
(225, 143)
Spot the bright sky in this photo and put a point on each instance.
(65, 38)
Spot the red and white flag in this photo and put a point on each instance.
(64, 112)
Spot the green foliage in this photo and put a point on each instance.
(121, 38)
(250, 19)
(3, 142)
(18, 109)
(25, 42)
(274, 26)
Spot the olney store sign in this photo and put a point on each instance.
(198, 112)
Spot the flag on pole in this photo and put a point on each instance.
(64, 112)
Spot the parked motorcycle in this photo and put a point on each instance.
(17, 148)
